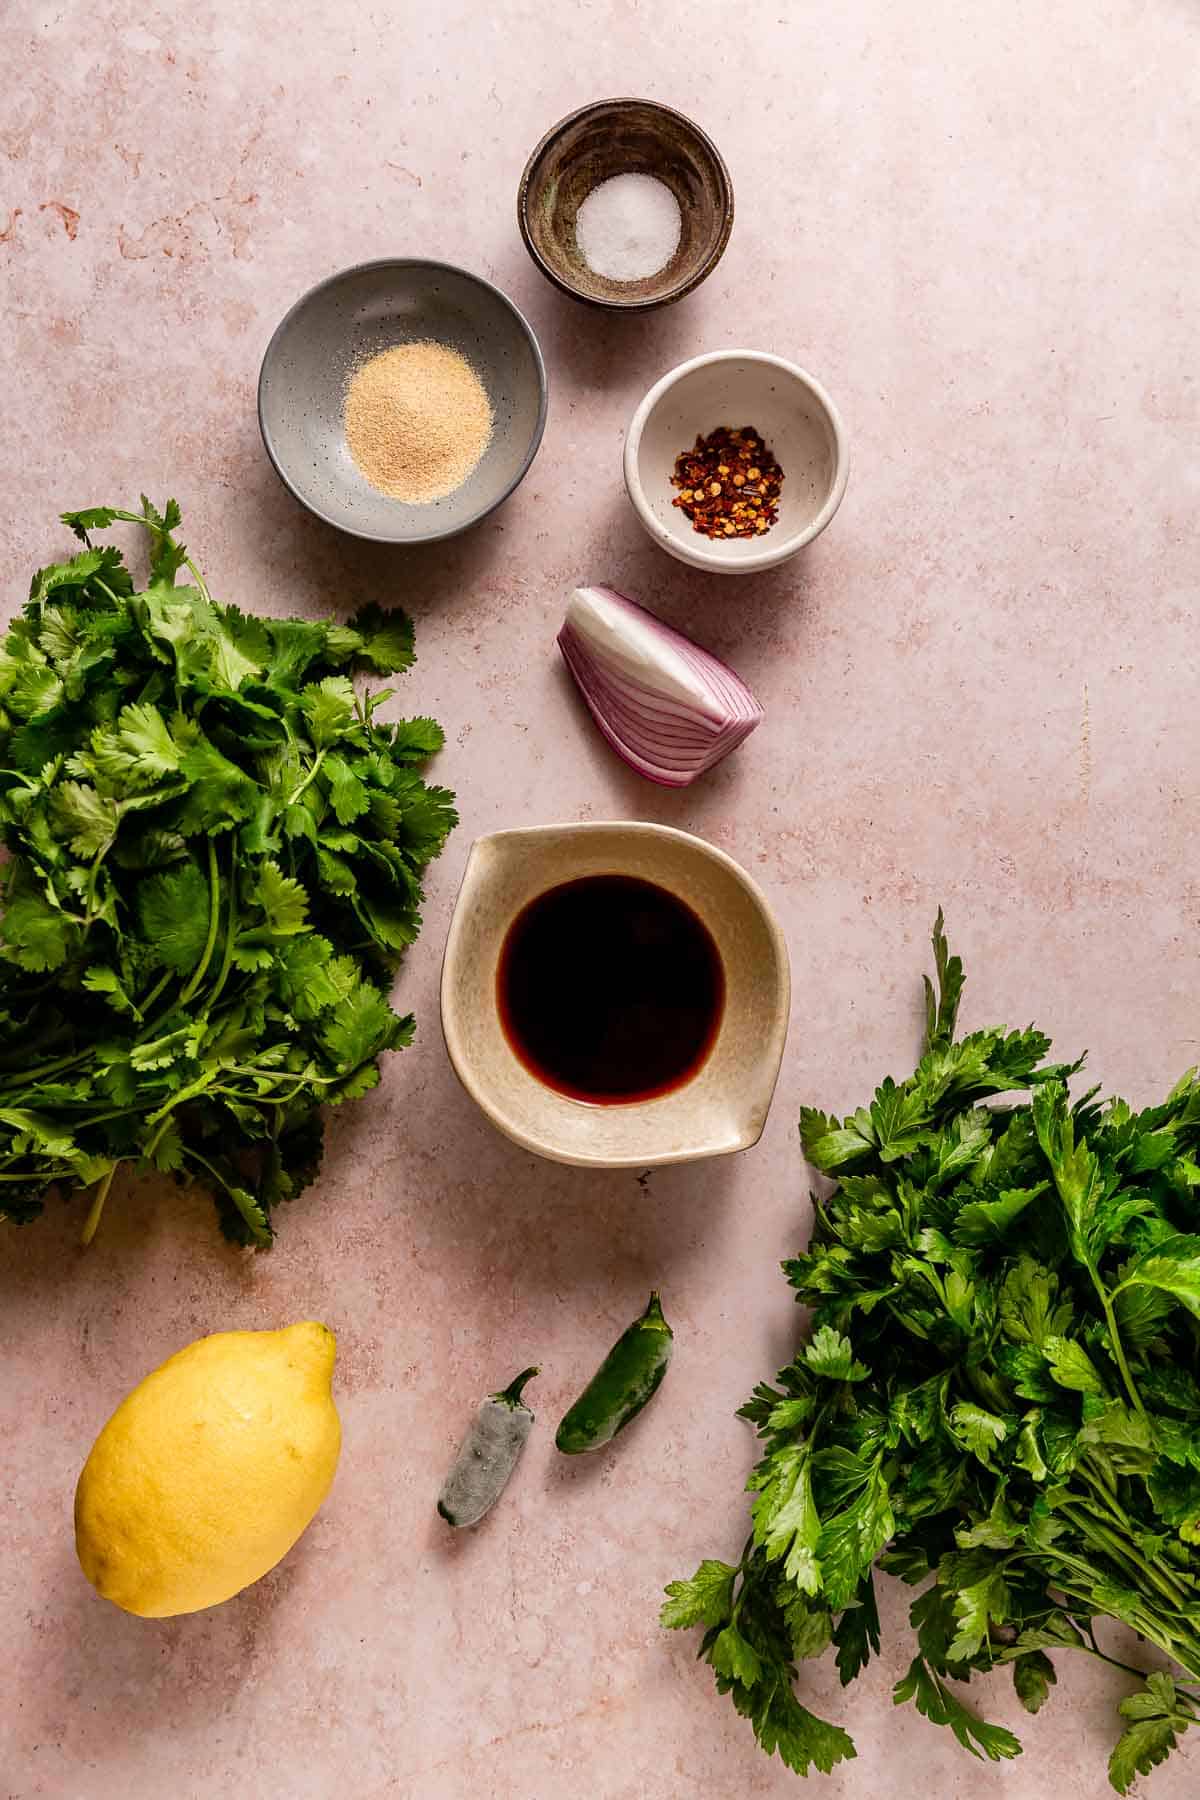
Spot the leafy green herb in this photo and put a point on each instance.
(216, 852)
(1001, 1393)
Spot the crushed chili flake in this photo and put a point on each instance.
(729, 484)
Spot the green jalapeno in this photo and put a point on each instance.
(488, 1455)
(621, 1386)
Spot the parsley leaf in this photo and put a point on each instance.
(830, 1355)
(703, 1600)
(931, 1697)
(1000, 1390)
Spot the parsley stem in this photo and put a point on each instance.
(1113, 1662)
(1118, 1349)
(214, 917)
(1124, 1553)
(91, 1223)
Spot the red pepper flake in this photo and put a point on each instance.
(729, 484)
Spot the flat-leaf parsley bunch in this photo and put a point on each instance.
(215, 862)
(999, 1403)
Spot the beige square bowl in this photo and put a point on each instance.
(723, 1107)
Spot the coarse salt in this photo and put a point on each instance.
(628, 227)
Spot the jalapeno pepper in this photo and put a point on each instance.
(488, 1455)
(626, 1379)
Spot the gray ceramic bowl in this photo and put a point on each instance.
(355, 314)
(617, 137)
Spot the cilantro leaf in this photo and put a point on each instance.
(100, 979)
(144, 735)
(386, 639)
(173, 912)
(359, 1027)
(416, 740)
(36, 935)
(347, 794)
(328, 706)
(86, 819)
(283, 901)
(178, 780)
(95, 518)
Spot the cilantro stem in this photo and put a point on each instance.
(185, 1093)
(320, 758)
(39, 1070)
(155, 991)
(227, 958)
(214, 915)
(198, 578)
(91, 1223)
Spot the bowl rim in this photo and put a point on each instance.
(771, 554)
(434, 534)
(643, 302)
(775, 1042)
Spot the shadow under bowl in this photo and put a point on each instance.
(625, 137)
(723, 1106)
(351, 317)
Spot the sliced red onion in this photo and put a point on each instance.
(668, 708)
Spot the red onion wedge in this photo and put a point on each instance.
(667, 707)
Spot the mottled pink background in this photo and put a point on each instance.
(977, 223)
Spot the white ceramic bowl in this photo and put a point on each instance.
(798, 422)
(723, 1107)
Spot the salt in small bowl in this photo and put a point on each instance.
(622, 137)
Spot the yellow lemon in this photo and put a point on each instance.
(209, 1470)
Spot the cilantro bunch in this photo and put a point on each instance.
(216, 851)
(999, 1403)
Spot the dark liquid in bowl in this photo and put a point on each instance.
(610, 989)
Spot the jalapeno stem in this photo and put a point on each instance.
(511, 1395)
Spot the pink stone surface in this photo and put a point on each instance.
(978, 225)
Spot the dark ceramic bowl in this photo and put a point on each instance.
(354, 315)
(625, 137)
